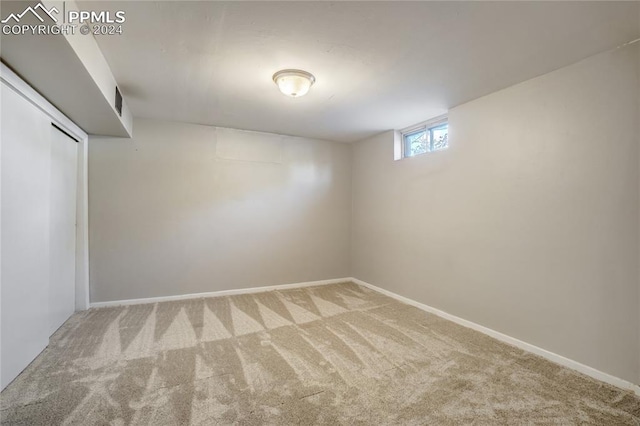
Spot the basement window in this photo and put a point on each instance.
(426, 137)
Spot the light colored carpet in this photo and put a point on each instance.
(336, 354)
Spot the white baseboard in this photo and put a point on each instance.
(217, 293)
(558, 359)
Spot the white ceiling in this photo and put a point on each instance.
(379, 65)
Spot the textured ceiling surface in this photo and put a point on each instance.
(379, 65)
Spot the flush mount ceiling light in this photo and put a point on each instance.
(294, 83)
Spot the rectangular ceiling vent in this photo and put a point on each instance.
(118, 102)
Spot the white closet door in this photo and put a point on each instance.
(62, 243)
(24, 281)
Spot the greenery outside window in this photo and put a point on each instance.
(428, 137)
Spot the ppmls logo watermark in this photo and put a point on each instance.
(52, 21)
(33, 11)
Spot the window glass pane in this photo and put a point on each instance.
(439, 137)
(416, 143)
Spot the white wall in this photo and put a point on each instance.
(528, 224)
(184, 208)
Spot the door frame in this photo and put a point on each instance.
(13, 81)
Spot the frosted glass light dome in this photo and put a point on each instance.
(294, 83)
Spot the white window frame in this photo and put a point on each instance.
(425, 126)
